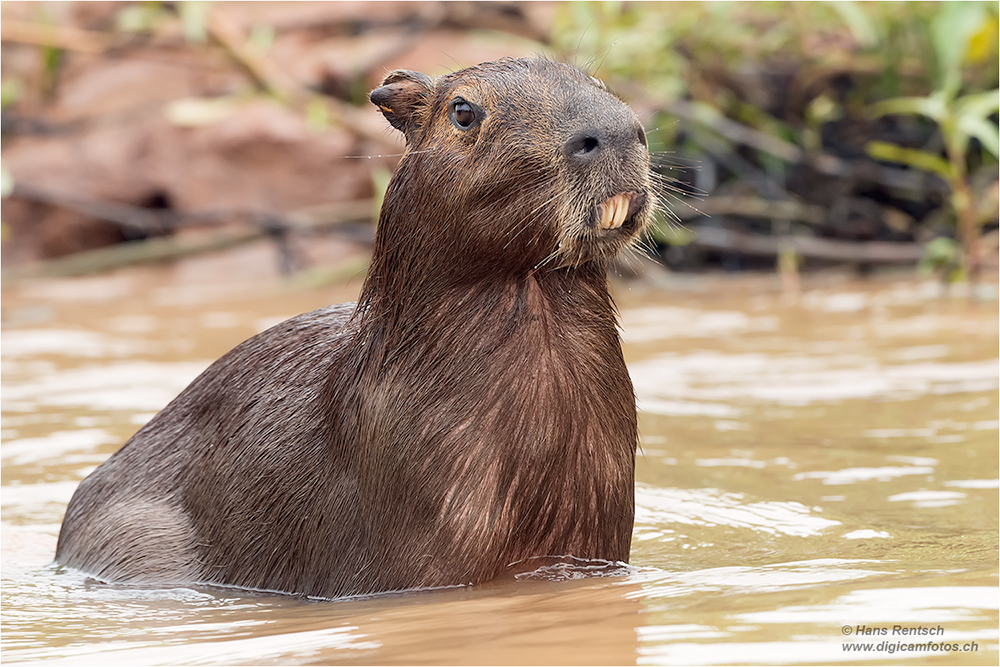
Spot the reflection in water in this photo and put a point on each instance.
(768, 578)
(803, 467)
(131, 385)
(820, 637)
(289, 648)
(929, 498)
(939, 604)
(60, 443)
(800, 380)
(655, 508)
(504, 622)
(975, 483)
(67, 342)
(865, 534)
(853, 475)
(649, 324)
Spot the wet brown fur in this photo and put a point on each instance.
(471, 411)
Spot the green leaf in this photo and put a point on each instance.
(939, 253)
(6, 183)
(979, 105)
(883, 150)
(951, 31)
(318, 114)
(705, 113)
(669, 232)
(857, 21)
(984, 130)
(933, 107)
(139, 17)
(199, 111)
(194, 17)
(262, 36)
(10, 92)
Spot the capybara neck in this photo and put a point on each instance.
(408, 307)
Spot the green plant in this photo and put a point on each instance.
(10, 92)
(960, 118)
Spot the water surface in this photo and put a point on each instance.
(809, 465)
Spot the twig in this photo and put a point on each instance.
(272, 78)
(134, 252)
(311, 218)
(60, 37)
(232, 37)
(762, 182)
(278, 227)
(752, 207)
(736, 132)
(809, 247)
(127, 216)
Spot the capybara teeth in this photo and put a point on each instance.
(614, 211)
(621, 211)
(605, 214)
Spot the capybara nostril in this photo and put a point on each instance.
(583, 147)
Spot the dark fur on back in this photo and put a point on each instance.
(471, 411)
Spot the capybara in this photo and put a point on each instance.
(471, 411)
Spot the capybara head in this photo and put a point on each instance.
(514, 165)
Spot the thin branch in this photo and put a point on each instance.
(752, 207)
(60, 37)
(232, 37)
(809, 247)
(311, 218)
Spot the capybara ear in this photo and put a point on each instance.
(402, 97)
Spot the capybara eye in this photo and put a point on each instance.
(463, 113)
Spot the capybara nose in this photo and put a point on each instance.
(588, 145)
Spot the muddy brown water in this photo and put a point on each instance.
(818, 474)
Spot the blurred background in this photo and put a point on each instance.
(818, 425)
(788, 137)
